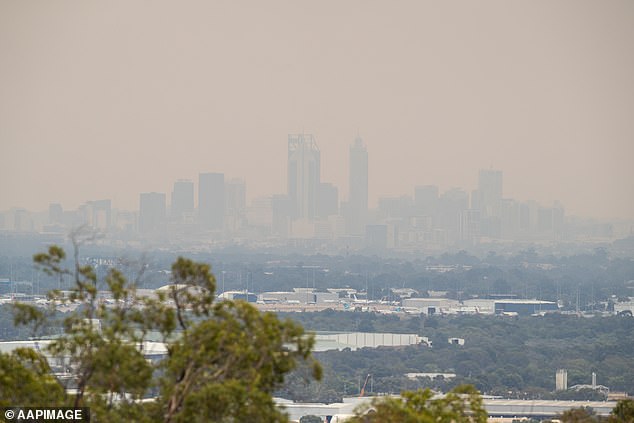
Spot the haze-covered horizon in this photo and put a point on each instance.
(111, 100)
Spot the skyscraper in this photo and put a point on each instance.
(490, 192)
(489, 202)
(151, 211)
(182, 200)
(235, 197)
(303, 175)
(99, 214)
(426, 200)
(358, 195)
(211, 200)
(328, 200)
(235, 204)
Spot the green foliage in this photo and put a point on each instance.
(462, 404)
(224, 359)
(623, 412)
(514, 358)
(25, 380)
(579, 415)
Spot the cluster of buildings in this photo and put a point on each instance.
(214, 210)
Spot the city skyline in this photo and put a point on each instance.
(183, 199)
(542, 91)
(476, 196)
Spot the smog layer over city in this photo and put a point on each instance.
(317, 211)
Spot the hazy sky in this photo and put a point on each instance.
(110, 99)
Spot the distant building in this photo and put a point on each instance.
(235, 197)
(525, 307)
(376, 237)
(299, 296)
(55, 213)
(211, 200)
(99, 214)
(426, 201)
(328, 204)
(182, 206)
(431, 306)
(451, 205)
(561, 380)
(469, 228)
(456, 341)
(151, 211)
(490, 192)
(357, 206)
(235, 204)
(327, 341)
(624, 308)
(304, 161)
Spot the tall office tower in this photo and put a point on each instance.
(469, 228)
(358, 195)
(426, 200)
(451, 205)
(235, 204)
(490, 192)
(303, 175)
(182, 205)
(510, 214)
(328, 200)
(55, 213)
(211, 200)
(99, 214)
(396, 207)
(235, 197)
(151, 211)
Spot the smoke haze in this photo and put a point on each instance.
(107, 100)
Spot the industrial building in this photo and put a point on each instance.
(496, 408)
(431, 306)
(298, 296)
(326, 341)
(525, 307)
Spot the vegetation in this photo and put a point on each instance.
(622, 413)
(223, 361)
(511, 357)
(462, 404)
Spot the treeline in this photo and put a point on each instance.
(511, 357)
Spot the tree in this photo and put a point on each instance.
(579, 415)
(623, 412)
(462, 404)
(223, 362)
(25, 379)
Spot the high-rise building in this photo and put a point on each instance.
(426, 200)
(490, 192)
(55, 213)
(151, 211)
(451, 204)
(235, 197)
(469, 228)
(328, 200)
(182, 200)
(211, 200)
(489, 202)
(303, 175)
(357, 208)
(99, 214)
(235, 204)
